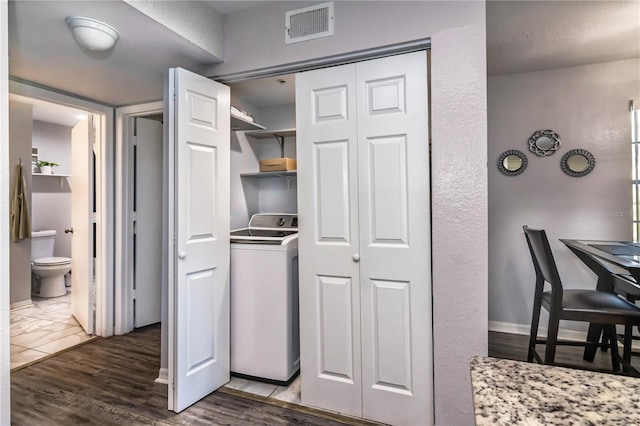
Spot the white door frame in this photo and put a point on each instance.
(104, 197)
(124, 293)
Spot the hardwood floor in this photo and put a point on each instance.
(514, 346)
(111, 382)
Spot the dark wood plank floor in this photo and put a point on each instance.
(513, 346)
(111, 382)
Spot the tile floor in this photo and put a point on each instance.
(281, 393)
(48, 327)
(43, 329)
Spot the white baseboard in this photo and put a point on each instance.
(163, 376)
(21, 305)
(523, 329)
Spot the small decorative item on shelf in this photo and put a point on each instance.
(46, 167)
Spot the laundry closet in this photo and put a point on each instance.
(363, 164)
(358, 202)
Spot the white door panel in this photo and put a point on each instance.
(364, 211)
(395, 270)
(148, 249)
(82, 284)
(199, 290)
(328, 239)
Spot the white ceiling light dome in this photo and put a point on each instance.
(91, 33)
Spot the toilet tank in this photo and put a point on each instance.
(42, 244)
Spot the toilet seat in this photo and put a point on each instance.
(52, 261)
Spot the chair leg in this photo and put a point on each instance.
(593, 339)
(605, 343)
(610, 333)
(535, 320)
(552, 339)
(626, 352)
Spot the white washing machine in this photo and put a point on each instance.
(265, 338)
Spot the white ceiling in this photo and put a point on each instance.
(521, 36)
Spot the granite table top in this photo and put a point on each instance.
(509, 392)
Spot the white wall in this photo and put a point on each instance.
(51, 197)
(589, 107)
(5, 416)
(254, 40)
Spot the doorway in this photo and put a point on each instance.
(45, 319)
(95, 307)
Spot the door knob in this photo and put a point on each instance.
(356, 258)
(68, 230)
(182, 255)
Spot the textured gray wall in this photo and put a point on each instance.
(589, 107)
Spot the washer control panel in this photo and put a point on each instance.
(274, 220)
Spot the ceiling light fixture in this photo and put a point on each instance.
(91, 33)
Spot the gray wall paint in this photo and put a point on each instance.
(589, 107)
(20, 119)
(254, 39)
(51, 197)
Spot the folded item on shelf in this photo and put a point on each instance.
(236, 112)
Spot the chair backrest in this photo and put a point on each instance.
(543, 261)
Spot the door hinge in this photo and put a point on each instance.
(174, 94)
(134, 218)
(94, 217)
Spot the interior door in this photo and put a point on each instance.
(328, 243)
(148, 226)
(82, 283)
(364, 239)
(395, 236)
(198, 116)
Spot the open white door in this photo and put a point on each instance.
(198, 116)
(82, 284)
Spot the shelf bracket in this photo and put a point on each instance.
(280, 140)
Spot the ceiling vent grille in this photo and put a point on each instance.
(309, 23)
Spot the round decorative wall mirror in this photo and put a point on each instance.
(512, 162)
(577, 162)
(544, 142)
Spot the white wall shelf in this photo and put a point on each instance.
(49, 174)
(267, 134)
(269, 174)
(279, 135)
(238, 123)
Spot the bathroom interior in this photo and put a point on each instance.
(41, 318)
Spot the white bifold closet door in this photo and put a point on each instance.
(364, 242)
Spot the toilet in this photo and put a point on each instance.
(48, 271)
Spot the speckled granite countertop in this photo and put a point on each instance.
(509, 392)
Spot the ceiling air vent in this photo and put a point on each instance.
(309, 23)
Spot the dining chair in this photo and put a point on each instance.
(591, 306)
